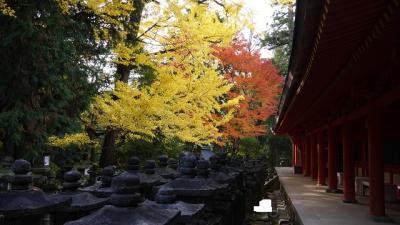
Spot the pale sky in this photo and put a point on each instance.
(262, 14)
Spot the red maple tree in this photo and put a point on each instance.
(258, 81)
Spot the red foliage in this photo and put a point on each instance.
(258, 81)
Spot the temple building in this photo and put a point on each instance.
(341, 99)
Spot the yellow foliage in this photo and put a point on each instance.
(285, 2)
(5, 9)
(79, 139)
(112, 14)
(187, 92)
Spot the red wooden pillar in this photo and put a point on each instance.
(376, 166)
(348, 165)
(332, 162)
(306, 171)
(296, 147)
(321, 159)
(314, 162)
(300, 153)
(364, 156)
(293, 150)
(303, 154)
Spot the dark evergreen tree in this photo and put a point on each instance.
(48, 66)
(279, 35)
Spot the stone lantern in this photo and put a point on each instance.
(102, 189)
(25, 204)
(82, 202)
(126, 207)
(164, 171)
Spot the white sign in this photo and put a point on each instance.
(46, 161)
(265, 205)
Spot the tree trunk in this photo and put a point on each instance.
(9, 147)
(235, 145)
(107, 157)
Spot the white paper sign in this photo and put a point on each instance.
(264, 206)
(86, 172)
(46, 161)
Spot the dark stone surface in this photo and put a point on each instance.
(166, 172)
(81, 201)
(98, 190)
(106, 176)
(188, 186)
(149, 178)
(21, 166)
(172, 163)
(102, 189)
(143, 215)
(22, 200)
(125, 187)
(30, 202)
(7, 161)
(163, 161)
(71, 180)
(188, 211)
(133, 164)
(126, 208)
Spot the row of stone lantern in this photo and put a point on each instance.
(193, 191)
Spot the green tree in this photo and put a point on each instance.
(50, 57)
(279, 39)
(279, 35)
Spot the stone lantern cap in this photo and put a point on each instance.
(172, 163)
(162, 160)
(143, 215)
(202, 168)
(189, 186)
(81, 201)
(23, 200)
(126, 207)
(133, 164)
(164, 171)
(7, 161)
(149, 166)
(149, 178)
(102, 189)
(165, 199)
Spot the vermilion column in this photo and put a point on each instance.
(296, 147)
(348, 166)
(307, 156)
(376, 166)
(300, 153)
(293, 151)
(321, 159)
(332, 164)
(314, 163)
(303, 154)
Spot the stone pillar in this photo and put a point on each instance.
(376, 166)
(348, 165)
(314, 163)
(321, 159)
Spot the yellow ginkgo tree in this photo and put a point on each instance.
(187, 92)
(176, 40)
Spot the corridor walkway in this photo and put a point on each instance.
(313, 206)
